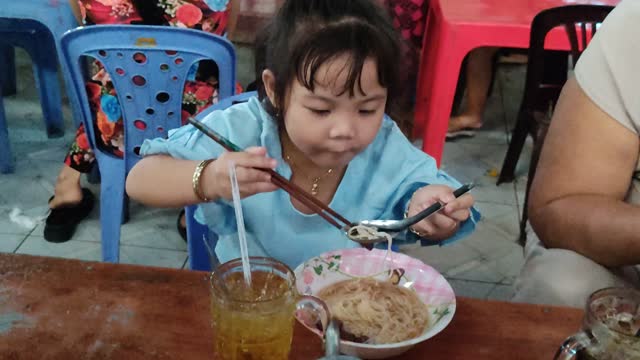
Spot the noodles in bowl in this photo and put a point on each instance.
(375, 312)
(383, 312)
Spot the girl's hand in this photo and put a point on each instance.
(444, 223)
(251, 180)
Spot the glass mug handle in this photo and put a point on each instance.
(574, 343)
(332, 343)
(312, 310)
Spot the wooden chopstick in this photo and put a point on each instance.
(286, 186)
(298, 191)
(307, 199)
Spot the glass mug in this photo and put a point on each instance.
(332, 343)
(611, 322)
(257, 323)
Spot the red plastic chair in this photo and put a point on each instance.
(453, 29)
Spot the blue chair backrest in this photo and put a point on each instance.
(202, 242)
(148, 66)
(226, 102)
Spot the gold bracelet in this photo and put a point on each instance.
(195, 180)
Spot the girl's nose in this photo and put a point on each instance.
(343, 128)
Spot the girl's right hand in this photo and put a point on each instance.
(251, 180)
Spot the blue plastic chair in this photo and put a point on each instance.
(37, 40)
(198, 236)
(55, 15)
(37, 26)
(149, 89)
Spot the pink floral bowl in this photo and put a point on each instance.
(335, 266)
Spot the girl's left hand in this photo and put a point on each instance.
(445, 222)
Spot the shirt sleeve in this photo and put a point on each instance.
(607, 70)
(407, 169)
(240, 124)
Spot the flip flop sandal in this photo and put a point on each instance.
(462, 133)
(62, 221)
(182, 230)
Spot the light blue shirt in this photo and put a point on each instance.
(377, 184)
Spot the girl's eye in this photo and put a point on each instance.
(367, 112)
(320, 112)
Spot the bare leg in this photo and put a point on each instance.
(233, 18)
(479, 74)
(68, 190)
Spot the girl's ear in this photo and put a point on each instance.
(269, 82)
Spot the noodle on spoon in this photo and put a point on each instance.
(361, 233)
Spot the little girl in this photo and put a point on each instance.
(331, 70)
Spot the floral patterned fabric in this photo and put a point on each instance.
(409, 17)
(200, 89)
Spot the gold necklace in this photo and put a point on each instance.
(315, 181)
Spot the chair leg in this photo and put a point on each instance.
(111, 212)
(436, 101)
(7, 70)
(125, 209)
(533, 165)
(6, 159)
(46, 75)
(200, 242)
(93, 177)
(518, 138)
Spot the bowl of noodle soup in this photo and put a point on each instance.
(387, 302)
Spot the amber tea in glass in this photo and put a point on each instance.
(253, 322)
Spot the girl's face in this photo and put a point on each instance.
(331, 129)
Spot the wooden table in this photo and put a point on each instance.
(67, 309)
(453, 29)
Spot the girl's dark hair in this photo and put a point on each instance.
(305, 34)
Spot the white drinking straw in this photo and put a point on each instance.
(242, 235)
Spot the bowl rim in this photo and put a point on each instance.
(431, 332)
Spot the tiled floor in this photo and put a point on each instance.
(483, 265)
